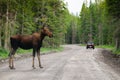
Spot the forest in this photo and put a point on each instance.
(98, 22)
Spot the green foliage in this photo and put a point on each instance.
(117, 52)
(95, 25)
(100, 23)
(109, 47)
(46, 50)
(113, 8)
(22, 51)
(3, 53)
(43, 50)
(28, 16)
(72, 35)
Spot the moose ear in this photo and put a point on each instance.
(44, 25)
(42, 28)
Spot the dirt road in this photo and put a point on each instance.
(74, 63)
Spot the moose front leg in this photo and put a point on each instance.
(38, 55)
(11, 56)
(10, 61)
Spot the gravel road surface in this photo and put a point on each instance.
(74, 63)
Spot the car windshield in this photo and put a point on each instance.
(90, 43)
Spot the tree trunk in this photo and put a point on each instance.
(0, 32)
(100, 34)
(117, 44)
(1, 23)
(6, 30)
(73, 32)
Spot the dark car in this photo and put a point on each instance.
(90, 45)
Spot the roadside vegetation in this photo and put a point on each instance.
(43, 50)
(108, 47)
(4, 53)
(111, 48)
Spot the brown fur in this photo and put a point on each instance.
(33, 41)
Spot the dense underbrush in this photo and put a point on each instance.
(4, 53)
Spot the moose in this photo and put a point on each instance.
(33, 41)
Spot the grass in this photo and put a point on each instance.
(43, 50)
(117, 52)
(4, 53)
(82, 44)
(110, 47)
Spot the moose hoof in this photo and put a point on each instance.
(34, 67)
(41, 67)
(11, 67)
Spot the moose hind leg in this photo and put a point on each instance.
(33, 60)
